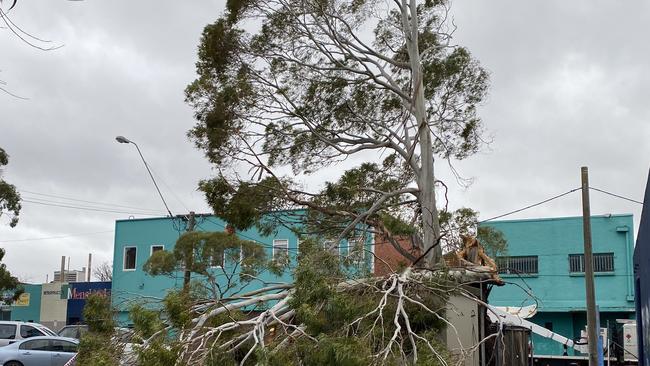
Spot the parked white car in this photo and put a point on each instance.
(11, 331)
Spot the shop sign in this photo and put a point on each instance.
(23, 300)
(75, 294)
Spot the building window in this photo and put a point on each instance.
(280, 250)
(129, 258)
(157, 248)
(331, 247)
(518, 265)
(603, 262)
(217, 259)
(356, 249)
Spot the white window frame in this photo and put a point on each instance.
(286, 247)
(155, 245)
(135, 260)
(372, 253)
(330, 243)
(351, 247)
(223, 260)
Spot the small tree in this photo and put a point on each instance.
(9, 204)
(104, 272)
(9, 196)
(98, 347)
(224, 263)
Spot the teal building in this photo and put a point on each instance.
(544, 265)
(28, 306)
(137, 239)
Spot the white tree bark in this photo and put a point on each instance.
(426, 181)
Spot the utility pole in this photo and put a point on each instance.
(189, 259)
(592, 332)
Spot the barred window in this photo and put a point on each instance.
(518, 265)
(603, 262)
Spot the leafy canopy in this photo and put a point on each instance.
(308, 84)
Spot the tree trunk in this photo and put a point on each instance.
(426, 181)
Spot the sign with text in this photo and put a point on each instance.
(81, 290)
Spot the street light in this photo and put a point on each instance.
(124, 140)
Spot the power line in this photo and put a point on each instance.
(531, 206)
(616, 195)
(87, 201)
(44, 200)
(84, 208)
(55, 237)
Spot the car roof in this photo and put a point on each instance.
(17, 322)
(12, 322)
(73, 340)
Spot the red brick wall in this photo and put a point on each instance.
(387, 257)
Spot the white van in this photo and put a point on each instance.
(11, 331)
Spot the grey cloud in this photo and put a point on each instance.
(569, 88)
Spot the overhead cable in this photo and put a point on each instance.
(56, 237)
(86, 201)
(531, 206)
(86, 208)
(616, 195)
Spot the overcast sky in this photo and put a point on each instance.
(569, 88)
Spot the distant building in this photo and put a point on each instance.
(642, 282)
(54, 304)
(545, 266)
(71, 276)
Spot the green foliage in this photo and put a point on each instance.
(176, 308)
(201, 251)
(97, 350)
(96, 347)
(7, 281)
(9, 196)
(99, 315)
(245, 205)
(146, 322)
(464, 221)
(493, 241)
(160, 262)
(291, 95)
(158, 353)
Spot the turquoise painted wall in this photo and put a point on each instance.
(552, 240)
(32, 312)
(561, 294)
(136, 285)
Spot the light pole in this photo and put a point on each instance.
(124, 140)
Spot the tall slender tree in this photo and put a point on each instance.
(299, 86)
(321, 82)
